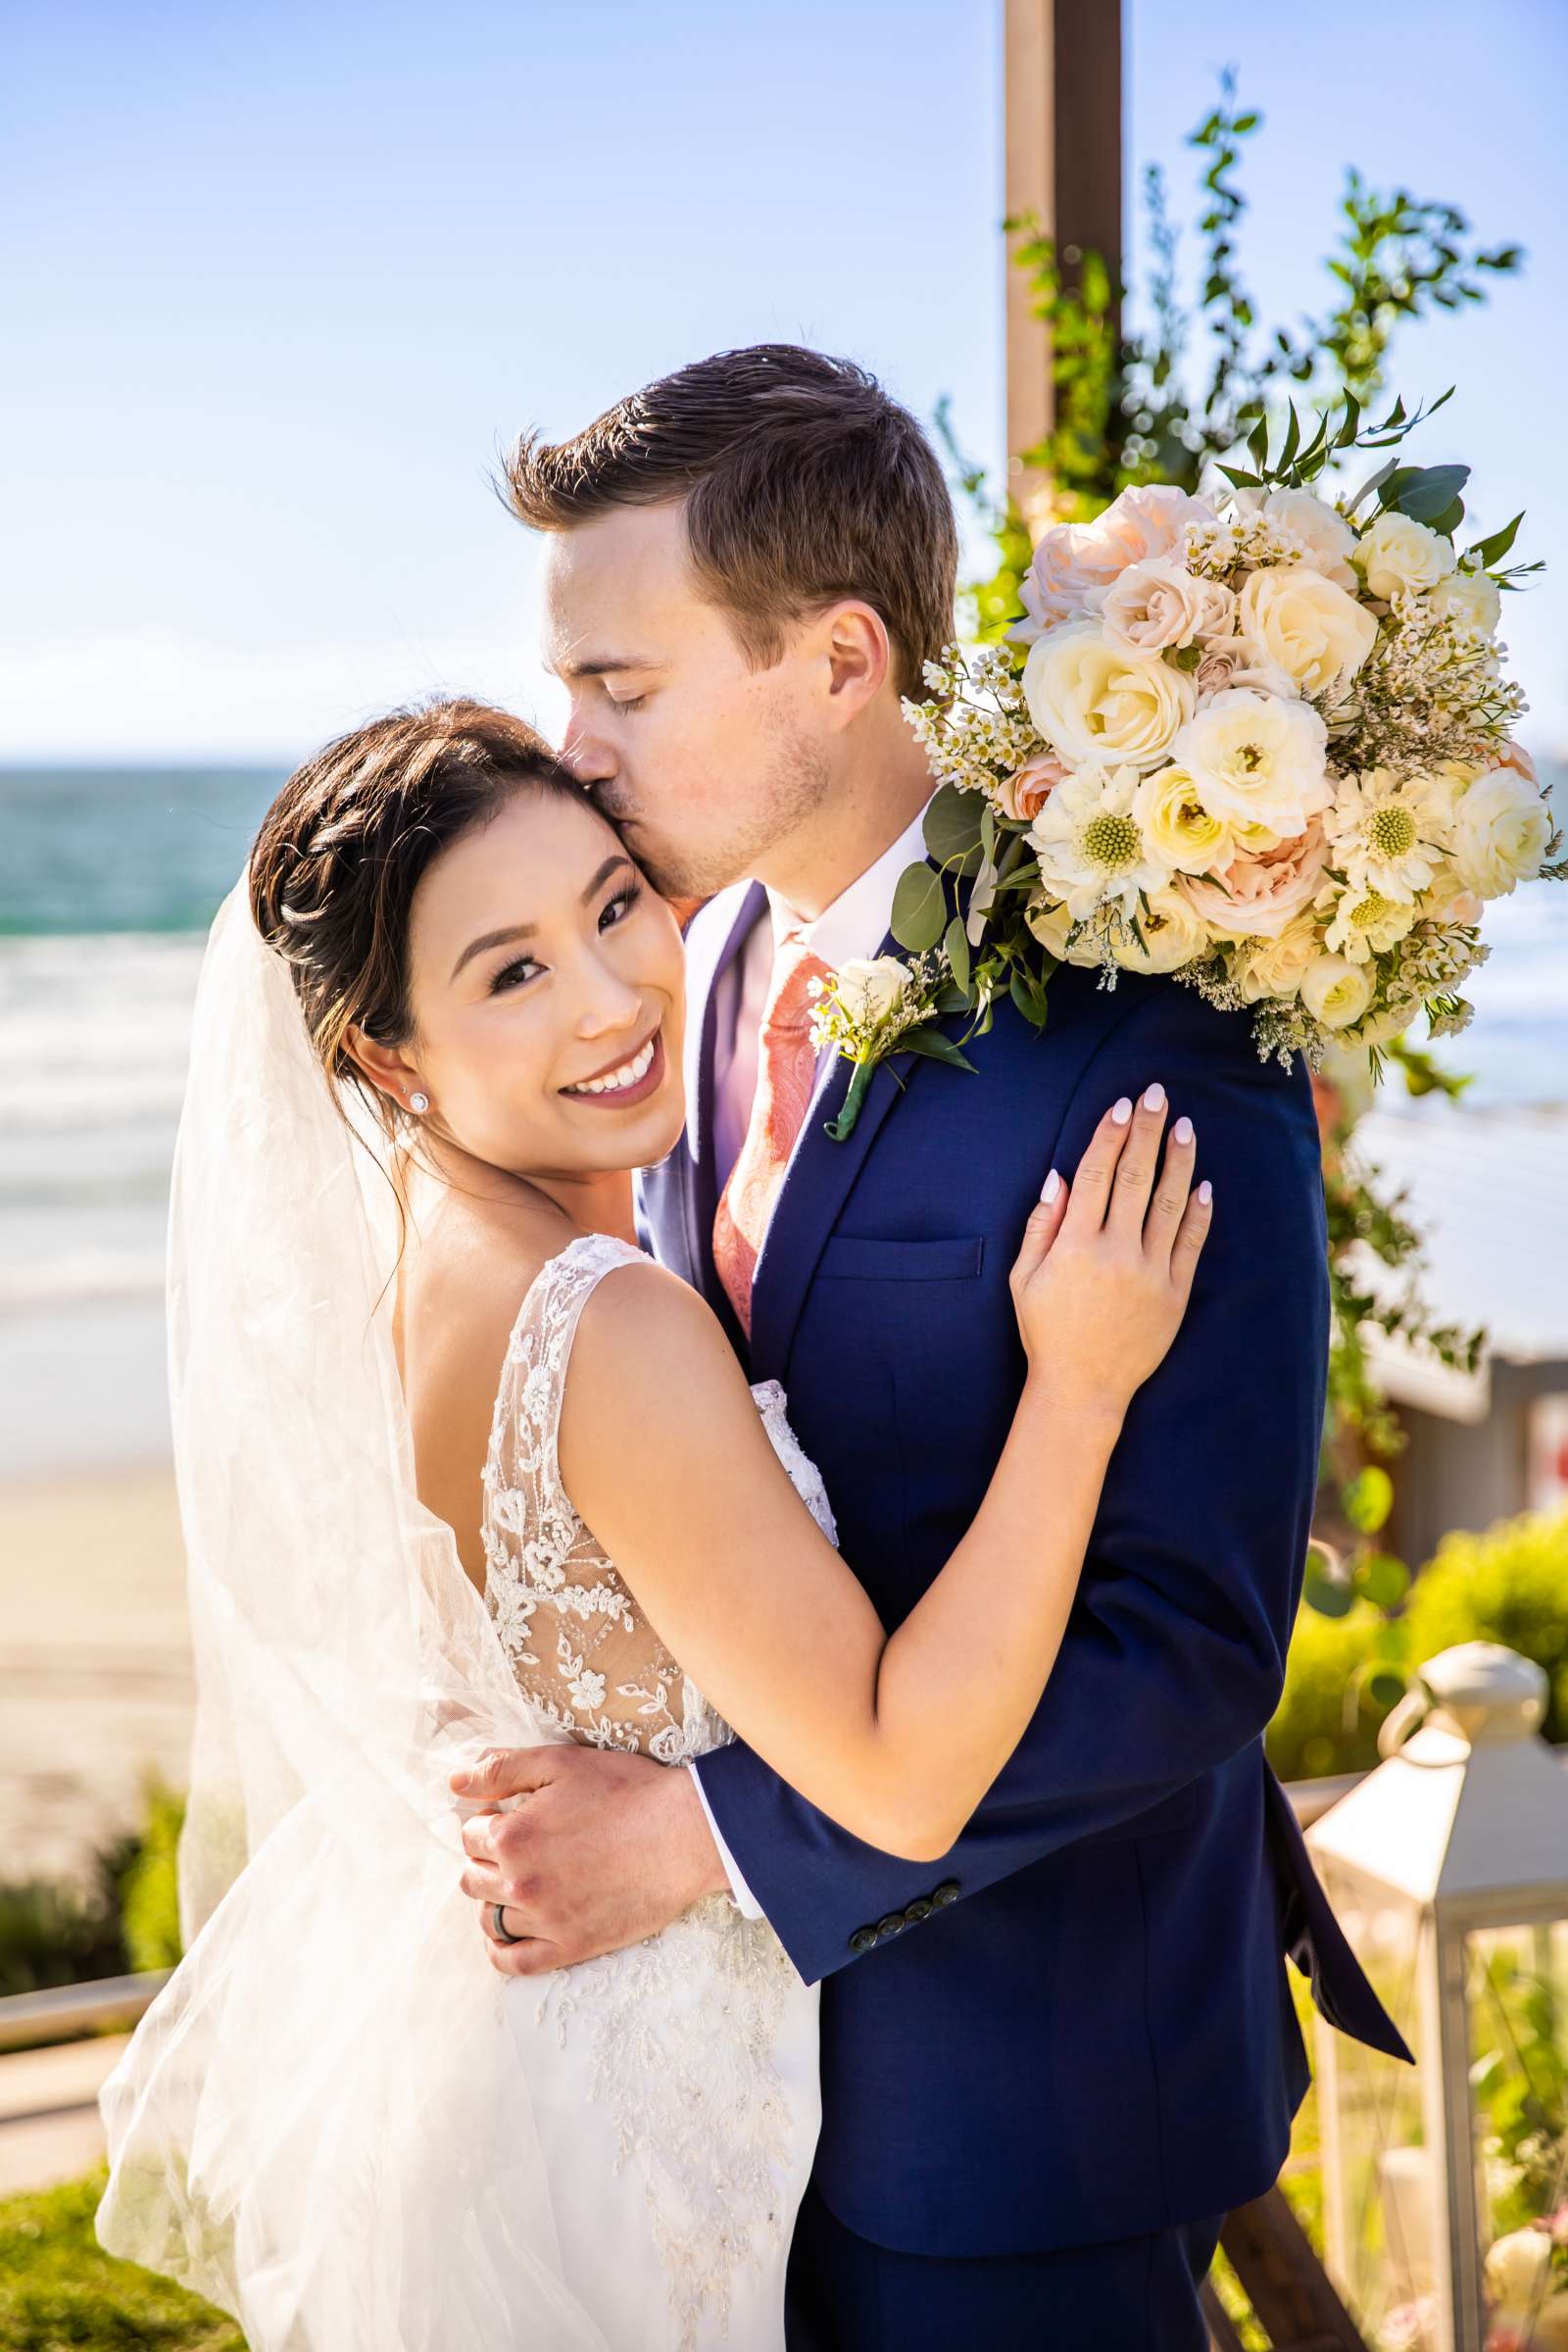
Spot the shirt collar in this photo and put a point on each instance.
(856, 922)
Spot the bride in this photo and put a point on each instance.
(461, 1466)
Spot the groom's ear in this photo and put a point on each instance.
(858, 653)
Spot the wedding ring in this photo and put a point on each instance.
(496, 1913)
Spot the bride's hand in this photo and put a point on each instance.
(1101, 1282)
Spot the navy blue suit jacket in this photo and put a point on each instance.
(1077, 2026)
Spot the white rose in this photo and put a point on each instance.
(1160, 604)
(1398, 552)
(1276, 968)
(1317, 633)
(870, 988)
(1335, 992)
(1169, 806)
(1257, 761)
(1172, 935)
(1051, 925)
(1516, 2266)
(1474, 596)
(1097, 702)
(1327, 537)
(1501, 829)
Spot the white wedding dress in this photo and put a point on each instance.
(677, 2083)
(337, 2120)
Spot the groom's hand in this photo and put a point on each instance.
(603, 1850)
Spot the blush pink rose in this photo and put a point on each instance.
(1076, 561)
(1024, 795)
(1260, 891)
(1515, 755)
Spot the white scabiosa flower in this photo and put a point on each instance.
(1365, 923)
(1257, 761)
(1384, 832)
(1096, 701)
(1093, 851)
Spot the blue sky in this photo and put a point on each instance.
(284, 277)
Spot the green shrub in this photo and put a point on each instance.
(149, 1890)
(1509, 1585)
(124, 1917)
(57, 2286)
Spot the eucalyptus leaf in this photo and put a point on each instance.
(988, 832)
(1491, 551)
(953, 823)
(936, 1047)
(1434, 488)
(919, 911)
(957, 947)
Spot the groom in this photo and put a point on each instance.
(1052, 2062)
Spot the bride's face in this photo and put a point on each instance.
(547, 988)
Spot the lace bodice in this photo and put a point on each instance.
(585, 1654)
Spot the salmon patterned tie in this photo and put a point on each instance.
(786, 1076)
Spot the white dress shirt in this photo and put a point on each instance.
(855, 924)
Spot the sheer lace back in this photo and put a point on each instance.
(583, 1654)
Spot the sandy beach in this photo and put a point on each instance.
(95, 1668)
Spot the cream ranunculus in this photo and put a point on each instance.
(1091, 847)
(1327, 537)
(1187, 834)
(1317, 632)
(1051, 926)
(1276, 968)
(869, 988)
(1334, 991)
(1098, 702)
(1160, 604)
(1501, 832)
(1161, 937)
(1077, 562)
(1257, 761)
(1398, 552)
(1474, 594)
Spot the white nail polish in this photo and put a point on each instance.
(1154, 1100)
(1052, 1186)
(1206, 1191)
(1121, 1112)
(1183, 1131)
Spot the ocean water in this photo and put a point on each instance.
(108, 880)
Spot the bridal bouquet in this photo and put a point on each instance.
(1259, 742)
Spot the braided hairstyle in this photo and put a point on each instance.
(343, 848)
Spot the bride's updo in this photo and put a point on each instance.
(342, 850)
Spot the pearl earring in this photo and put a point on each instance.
(420, 1102)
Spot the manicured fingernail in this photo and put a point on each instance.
(1122, 1111)
(1154, 1100)
(1052, 1187)
(1206, 1191)
(1183, 1131)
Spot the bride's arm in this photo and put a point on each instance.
(896, 1737)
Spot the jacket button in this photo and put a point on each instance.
(862, 1939)
(893, 1925)
(919, 1909)
(947, 1892)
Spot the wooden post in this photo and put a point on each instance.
(1063, 103)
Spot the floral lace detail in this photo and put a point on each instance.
(683, 2026)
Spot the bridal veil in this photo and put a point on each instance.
(334, 2009)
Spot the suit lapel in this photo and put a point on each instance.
(818, 1182)
(724, 935)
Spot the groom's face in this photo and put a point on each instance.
(702, 758)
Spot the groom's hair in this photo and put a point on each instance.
(802, 481)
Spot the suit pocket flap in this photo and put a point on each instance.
(847, 1259)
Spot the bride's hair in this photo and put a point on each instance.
(342, 850)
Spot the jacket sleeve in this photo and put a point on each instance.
(1174, 1656)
